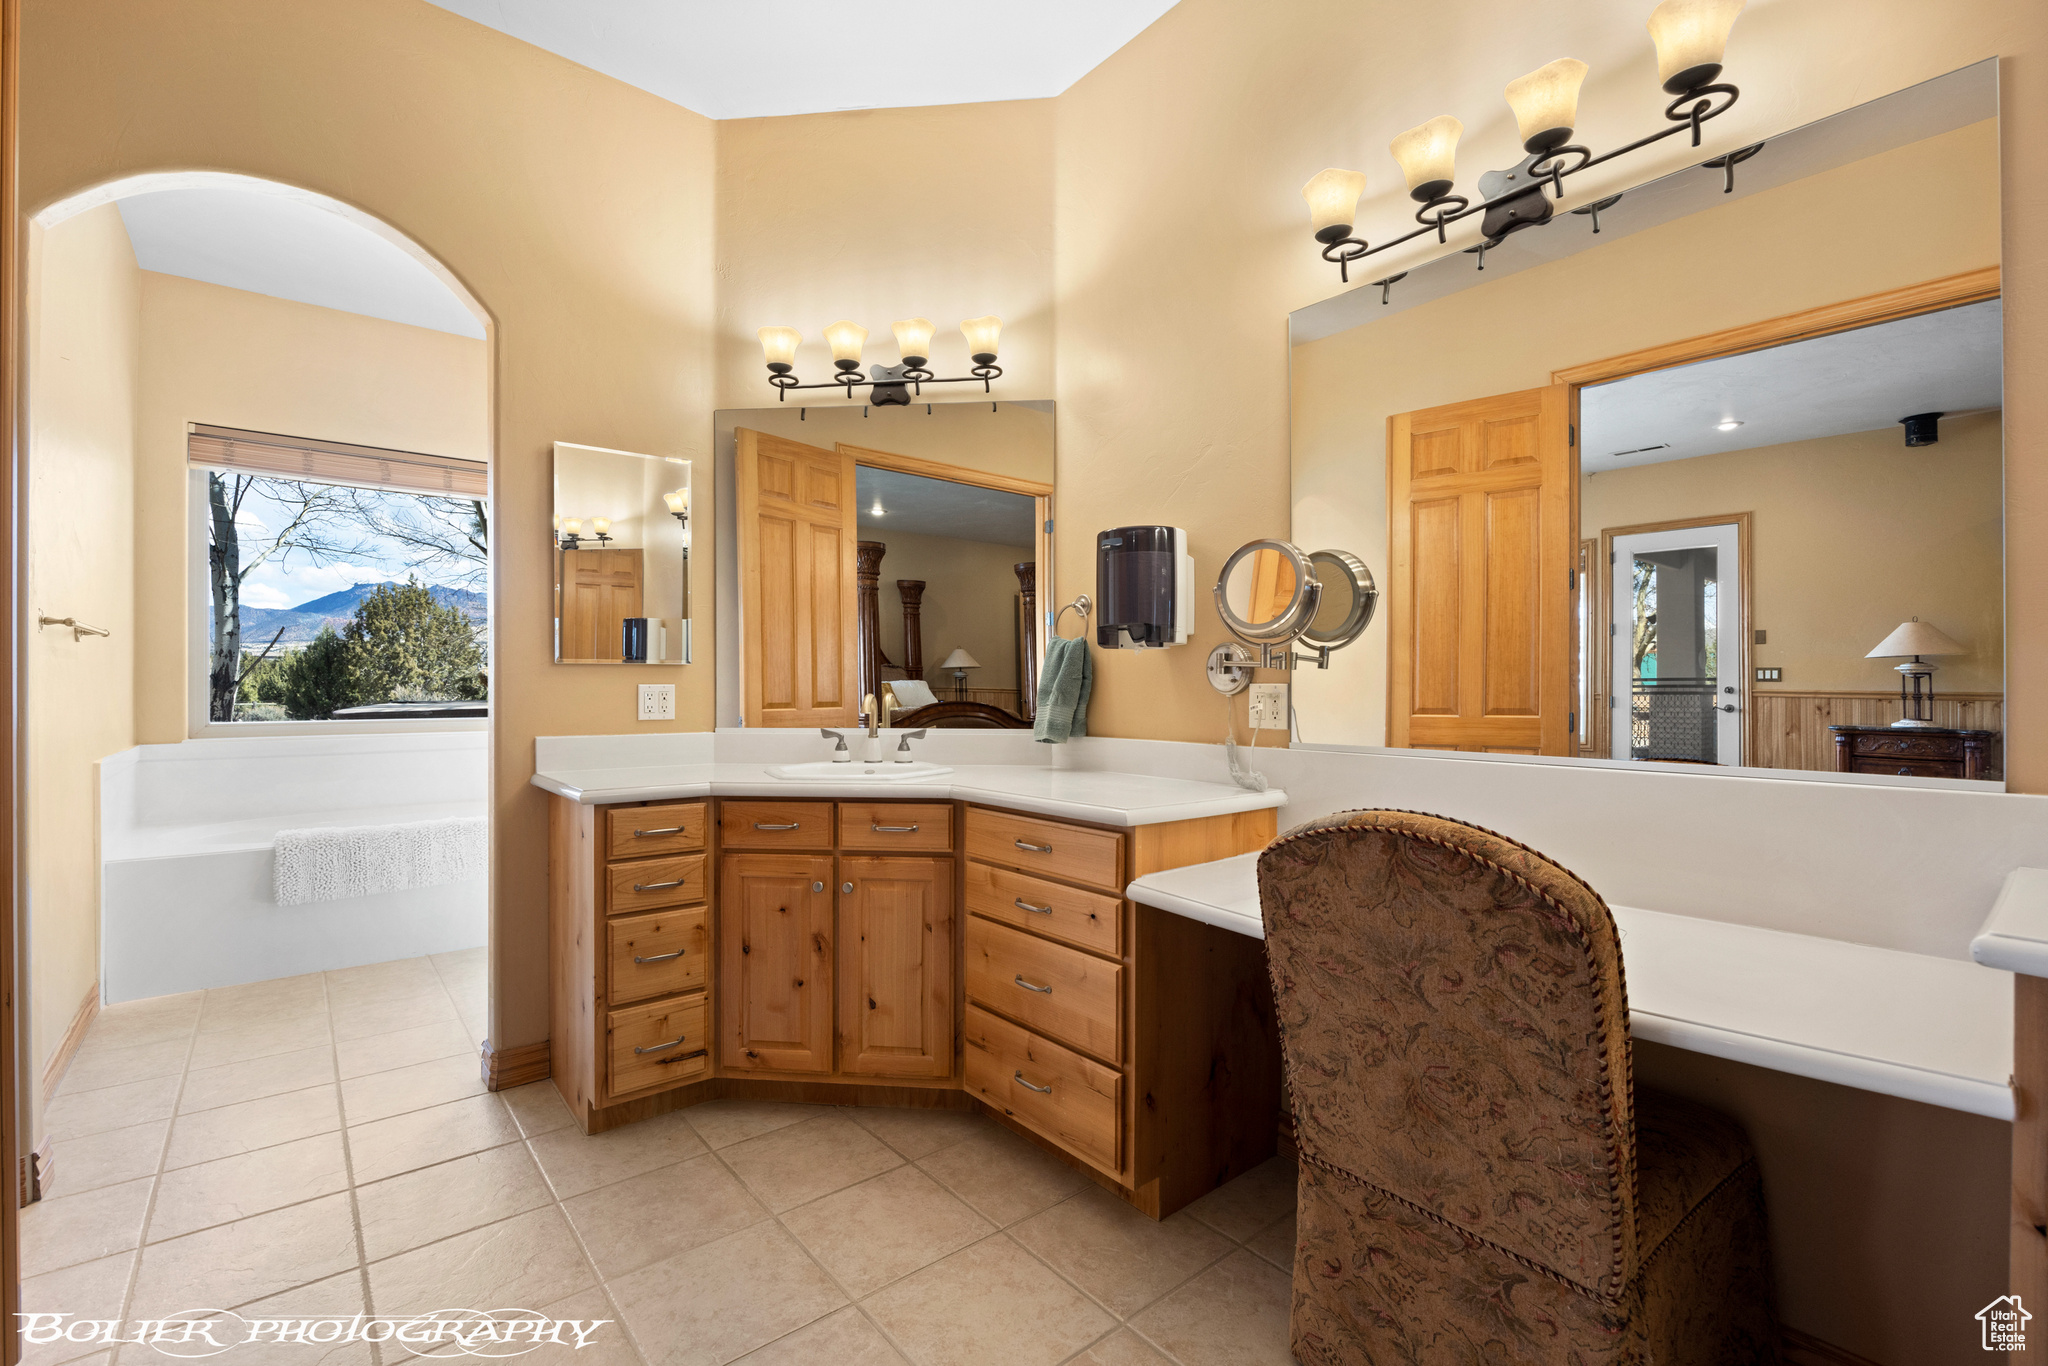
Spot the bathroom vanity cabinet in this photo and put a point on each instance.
(943, 954)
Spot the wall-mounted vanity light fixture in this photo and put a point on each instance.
(1691, 38)
(893, 383)
(679, 504)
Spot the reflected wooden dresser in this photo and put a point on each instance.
(1916, 751)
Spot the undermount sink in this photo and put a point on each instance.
(885, 772)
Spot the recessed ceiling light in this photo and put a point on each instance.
(1726, 424)
(876, 510)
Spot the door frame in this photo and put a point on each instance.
(1603, 639)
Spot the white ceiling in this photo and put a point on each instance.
(732, 60)
(939, 507)
(1857, 381)
(291, 248)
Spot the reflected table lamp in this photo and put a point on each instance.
(1912, 640)
(960, 662)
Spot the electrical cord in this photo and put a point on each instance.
(1250, 779)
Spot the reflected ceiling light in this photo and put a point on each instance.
(1691, 37)
(893, 384)
(679, 504)
(876, 510)
(1727, 424)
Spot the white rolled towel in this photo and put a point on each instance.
(336, 862)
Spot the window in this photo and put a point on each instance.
(340, 583)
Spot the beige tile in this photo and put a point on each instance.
(403, 1048)
(388, 1015)
(223, 1046)
(192, 1198)
(382, 1094)
(528, 1260)
(1238, 1209)
(214, 1087)
(1233, 1314)
(607, 1343)
(110, 1107)
(1122, 1348)
(90, 1290)
(660, 1213)
(870, 1234)
(421, 1138)
(133, 1023)
(477, 959)
(97, 1067)
(69, 1229)
(283, 1002)
(919, 1133)
(744, 1290)
(990, 1302)
(1276, 1244)
(722, 1123)
(335, 1297)
(842, 1339)
(381, 981)
(575, 1162)
(1121, 1257)
(107, 1158)
(1002, 1176)
(409, 1211)
(253, 1124)
(796, 1165)
(250, 1259)
(538, 1107)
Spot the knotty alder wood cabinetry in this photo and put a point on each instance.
(916, 953)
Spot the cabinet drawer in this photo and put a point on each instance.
(775, 825)
(1087, 919)
(644, 831)
(1070, 995)
(888, 826)
(1909, 747)
(1909, 768)
(1047, 847)
(1076, 1103)
(657, 953)
(646, 883)
(657, 1045)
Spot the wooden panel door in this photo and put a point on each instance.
(775, 962)
(1480, 573)
(600, 589)
(896, 967)
(798, 607)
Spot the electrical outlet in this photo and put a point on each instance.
(1269, 706)
(657, 701)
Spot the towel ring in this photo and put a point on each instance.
(1082, 604)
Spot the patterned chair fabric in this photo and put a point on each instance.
(1480, 1181)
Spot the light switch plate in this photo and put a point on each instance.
(657, 701)
(1269, 706)
(1770, 675)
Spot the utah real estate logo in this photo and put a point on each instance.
(2005, 1324)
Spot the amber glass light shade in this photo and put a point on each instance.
(981, 334)
(1428, 155)
(1332, 197)
(1546, 103)
(601, 526)
(1691, 37)
(914, 340)
(678, 502)
(778, 346)
(846, 339)
(573, 526)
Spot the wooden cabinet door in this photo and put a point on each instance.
(896, 967)
(1481, 509)
(775, 962)
(797, 592)
(600, 589)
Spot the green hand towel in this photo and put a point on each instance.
(1063, 690)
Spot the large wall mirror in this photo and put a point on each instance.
(622, 557)
(1718, 486)
(902, 553)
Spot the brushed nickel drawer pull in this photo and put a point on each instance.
(1021, 904)
(892, 829)
(670, 830)
(659, 957)
(657, 1047)
(1034, 848)
(1042, 1090)
(658, 886)
(793, 825)
(681, 1057)
(1030, 986)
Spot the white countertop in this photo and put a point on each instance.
(1077, 794)
(2015, 934)
(1937, 1030)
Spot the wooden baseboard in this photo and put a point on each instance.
(811, 1092)
(505, 1068)
(1804, 1349)
(67, 1048)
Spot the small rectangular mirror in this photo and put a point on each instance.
(622, 557)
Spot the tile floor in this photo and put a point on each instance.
(322, 1145)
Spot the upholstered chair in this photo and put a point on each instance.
(1480, 1182)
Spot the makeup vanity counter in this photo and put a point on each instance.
(1930, 1029)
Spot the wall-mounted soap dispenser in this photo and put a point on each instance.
(1144, 588)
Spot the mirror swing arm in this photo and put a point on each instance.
(1269, 641)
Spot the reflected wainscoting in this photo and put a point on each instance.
(1790, 729)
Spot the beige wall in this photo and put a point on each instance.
(1742, 267)
(1849, 536)
(969, 603)
(84, 300)
(233, 358)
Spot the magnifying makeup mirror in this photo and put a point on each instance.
(1271, 595)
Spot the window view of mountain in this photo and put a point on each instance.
(303, 622)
